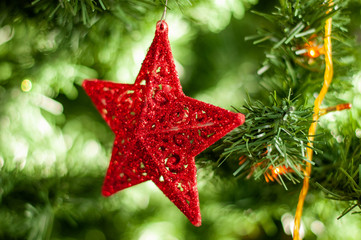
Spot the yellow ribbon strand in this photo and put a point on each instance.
(312, 130)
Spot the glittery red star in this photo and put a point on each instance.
(158, 129)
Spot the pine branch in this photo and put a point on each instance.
(262, 144)
(340, 180)
(293, 29)
(273, 137)
(88, 12)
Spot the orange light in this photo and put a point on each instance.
(280, 170)
(273, 173)
(339, 107)
(343, 106)
(276, 170)
(313, 52)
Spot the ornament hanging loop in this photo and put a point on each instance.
(165, 11)
(162, 25)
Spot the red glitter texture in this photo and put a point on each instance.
(158, 129)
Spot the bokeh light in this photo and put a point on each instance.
(26, 85)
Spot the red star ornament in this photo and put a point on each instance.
(158, 129)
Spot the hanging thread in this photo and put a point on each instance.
(165, 11)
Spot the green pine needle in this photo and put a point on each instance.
(273, 135)
(344, 183)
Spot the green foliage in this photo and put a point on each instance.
(294, 27)
(266, 141)
(340, 179)
(88, 12)
(55, 148)
(274, 135)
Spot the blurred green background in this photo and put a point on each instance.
(55, 147)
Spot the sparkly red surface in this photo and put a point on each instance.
(158, 129)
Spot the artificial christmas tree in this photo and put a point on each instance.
(55, 147)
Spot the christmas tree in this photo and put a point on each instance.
(292, 170)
